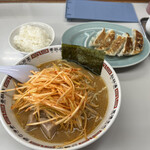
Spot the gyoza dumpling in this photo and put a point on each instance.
(107, 41)
(138, 42)
(100, 36)
(116, 46)
(128, 46)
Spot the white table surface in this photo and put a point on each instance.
(131, 129)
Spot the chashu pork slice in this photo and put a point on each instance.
(31, 119)
(48, 128)
(98, 39)
(116, 46)
(128, 46)
(109, 38)
(138, 42)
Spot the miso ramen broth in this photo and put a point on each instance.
(91, 114)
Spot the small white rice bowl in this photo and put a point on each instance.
(32, 36)
(11, 125)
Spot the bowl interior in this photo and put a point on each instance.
(44, 26)
(53, 53)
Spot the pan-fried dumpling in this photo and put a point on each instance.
(100, 36)
(138, 42)
(107, 41)
(116, 46)
(122, 45)
(128, 46)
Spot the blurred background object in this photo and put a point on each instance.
(148, 8)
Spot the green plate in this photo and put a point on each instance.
(82, 34)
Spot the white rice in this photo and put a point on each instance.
(31, 38)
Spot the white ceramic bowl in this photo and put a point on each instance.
(148, 26)
(45, 55)
(44, 26)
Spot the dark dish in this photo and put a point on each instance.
(143, 25)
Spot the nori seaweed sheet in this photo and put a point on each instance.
(89, 58)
